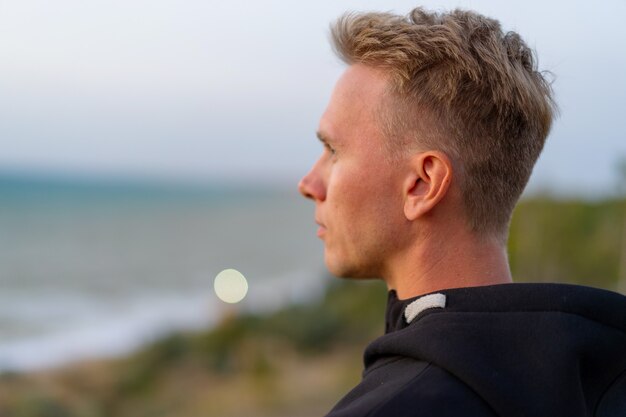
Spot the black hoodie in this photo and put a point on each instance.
(544, 350)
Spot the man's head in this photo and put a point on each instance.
(448, 96)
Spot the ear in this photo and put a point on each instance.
(427, 183)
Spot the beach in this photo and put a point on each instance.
(96, 270)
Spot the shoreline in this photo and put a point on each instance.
(293, 361)
(152, 319)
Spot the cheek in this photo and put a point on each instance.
(357, 199)
(362, 191)
(384, 203)
(346, 192)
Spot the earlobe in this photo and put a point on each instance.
(427, 183)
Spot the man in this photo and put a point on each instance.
(429, 139)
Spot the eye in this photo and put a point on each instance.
(330, 149)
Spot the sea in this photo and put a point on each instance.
(94, 269)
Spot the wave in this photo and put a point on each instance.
(57, 329)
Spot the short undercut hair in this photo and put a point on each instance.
(458, 84)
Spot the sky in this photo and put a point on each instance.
(208, 90)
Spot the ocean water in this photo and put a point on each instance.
(92, 270)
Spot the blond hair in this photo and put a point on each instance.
(460, 85)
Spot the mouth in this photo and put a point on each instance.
(321, 231)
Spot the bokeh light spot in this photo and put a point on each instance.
(230, 286)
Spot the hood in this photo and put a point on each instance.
(526, 349)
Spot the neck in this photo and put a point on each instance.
(434, 264)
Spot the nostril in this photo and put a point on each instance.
(302, 188)
(311, 186)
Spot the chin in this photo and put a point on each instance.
(349, 271)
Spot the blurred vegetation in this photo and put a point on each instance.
(291, 362)
(299, 360)
(571, 241)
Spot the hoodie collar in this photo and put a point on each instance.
(394, 315)
(401, 313)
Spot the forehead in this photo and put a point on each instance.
(360, 82)
(354, 101)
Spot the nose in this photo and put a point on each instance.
(312, 185)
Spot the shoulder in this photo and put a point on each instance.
(410, 388)
(434, 392)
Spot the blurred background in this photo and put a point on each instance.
(148, 145)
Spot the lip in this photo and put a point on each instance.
(321, 231)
